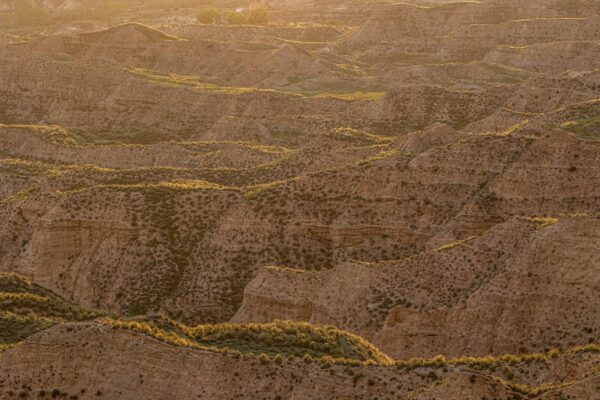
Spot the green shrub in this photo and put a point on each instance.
(264, 358)
(258, 16)
(237, 19)
(208, 15)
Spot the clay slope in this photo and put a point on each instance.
(466, 31)
(158, 103)
(389, 205)
(539, 300)
(253, 206)
(138, 79)
(114, 354)
(47, 355)
(246, 33)
(91, 361)
(467, 297)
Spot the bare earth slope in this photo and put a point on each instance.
(51, 348)
(425, 175)
(114, 363)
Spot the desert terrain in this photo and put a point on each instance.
(300, 199)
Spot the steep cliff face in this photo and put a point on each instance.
(75, 256)
(328, 297)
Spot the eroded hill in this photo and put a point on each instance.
(79, 353)
(423, 175)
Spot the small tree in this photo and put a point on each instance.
(264, 358)
(258, 16)
(208, 15)
(237, 19)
